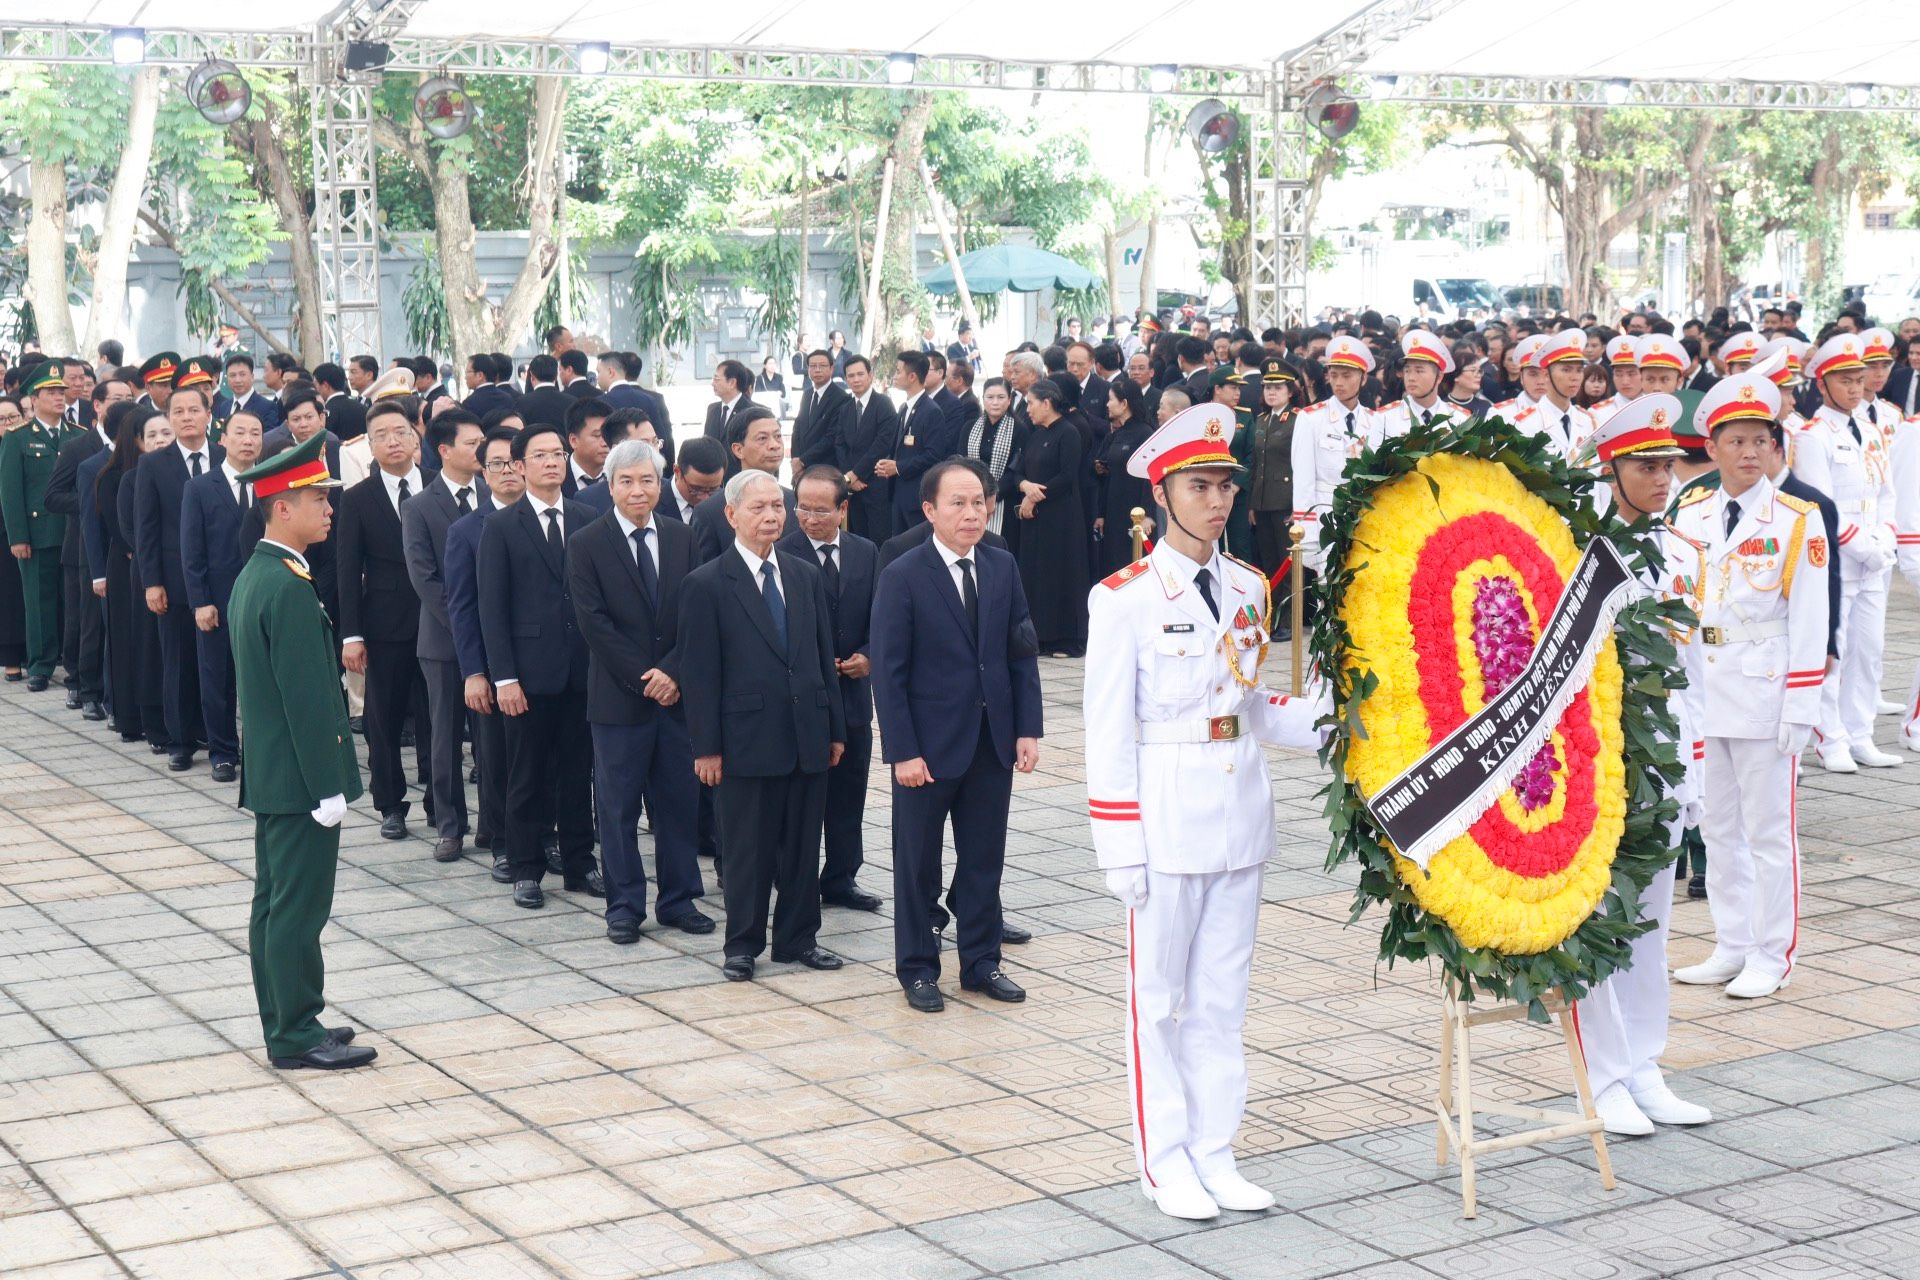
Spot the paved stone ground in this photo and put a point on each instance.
(547, 1105)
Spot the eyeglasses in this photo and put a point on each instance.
(816, 513)
(704, 490)
(499, 464)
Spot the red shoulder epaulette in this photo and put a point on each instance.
(1122, 577)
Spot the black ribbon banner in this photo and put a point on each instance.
(1446, 790)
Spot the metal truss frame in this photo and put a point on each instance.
(54, 43)
(1423, 88)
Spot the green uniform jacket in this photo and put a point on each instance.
(27, 455)
(1239, 525)
(295, 747)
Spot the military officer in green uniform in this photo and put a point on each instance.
(297, 765)
(34, 534)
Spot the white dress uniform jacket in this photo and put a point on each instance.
(1397, 419)
(1905, 470)
(1325, 436)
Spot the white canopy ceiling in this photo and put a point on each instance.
(1852, 41)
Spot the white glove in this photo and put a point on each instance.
(1692, 813)
(1129, 884)
(1793, 738)
(329, 811)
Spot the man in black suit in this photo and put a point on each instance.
(963, 407)
(901, 543)
(538, 662)
(1903, 384)
(587, 446)
(699, 473)
(460, 570)
(543, 400)
(758, 448)
(957, 689)
(627, 570)
(454, 437)
(213, 512)
(924, 438)
(826, 416)
(1093, 388)
(160, 482)
(380, 610)
(84, 622)
(760, 686)
(1191, 352)
(241, 395)
(575, 378)
(733, 385)
(848, 564)
(619, 374)
(875, 430)
(487, 387)
(346, 415)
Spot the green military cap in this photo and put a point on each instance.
(1224, 375)
(197, 371)
(304, 466)
(44, 376)
(1274, 369)
(159, 368)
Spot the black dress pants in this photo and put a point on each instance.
(490, 757)
(180, 675)
(393, 675)
(977, 803)
(550, 780)
(846, 806)
(770, 830)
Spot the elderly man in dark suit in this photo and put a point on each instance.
(848, 563)
(160, 483)
(627, 571)
(213, 510)
(543, 400)
(86, 619)
(761, 692)
(957, 689)
(379, 609)
(505, 485)
(827, 414)
(538, 662)
(454, 436)
(872, 436)
(758, 448)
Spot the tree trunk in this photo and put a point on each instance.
(968, 311)
(1236, 263)
(47, 255)
(107, 313)
(898, 327)
(541, 193)
(1149, 287)
(273, 174)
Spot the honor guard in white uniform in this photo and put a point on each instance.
(1424, 361)
(1564, 424)
(1738, 351)
(1757, 664)
(1327, 434)
(1662, 361)
(1780, 357)
(1533, 380)
(1906, 508)
(1842, 454)
(1626, 378)
(1880, 428)
(1622, 1023)
(1182, 812)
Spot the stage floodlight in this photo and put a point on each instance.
(1859, 95)
(1383, 86)
(1616, 92)
(901, 66)
(1162, 77)
(593, 56)
(129, 46)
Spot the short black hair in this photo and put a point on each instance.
(574, 359)
(496, 420)
(297, 397)
(237, 357)
(621, 422)
(825, 474)
(543, 368)
(282, 361)
(1191, 350)
(702, 454)
(738, 374)
(851, 361)
(1128, 392)
(963, 370)
(915, 362)
(580, 410)
(822, 352)
(331, 374)
(534, 429)
(112, 351)
(100, 387)
(552, 335)
(1108, 357)
(445, 429)
(495, 435)
(930, 480)
(367, 364)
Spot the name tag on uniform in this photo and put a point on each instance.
(908, 442)
(1176, 628)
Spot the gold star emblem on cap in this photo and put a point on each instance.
(1746, 392)
(1653, 346)
(1659, 417)
(1213, 429)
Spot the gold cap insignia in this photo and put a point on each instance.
(1213, 429)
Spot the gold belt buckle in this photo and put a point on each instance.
(1223, 728)
(1713, 635)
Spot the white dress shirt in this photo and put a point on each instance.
(186, 455)
(453, 491)
(952, 559)
(540, 510)
(651, 541)
(414, 485)
(580, 478)
(295, 556)
(234, 483)
(754, 562)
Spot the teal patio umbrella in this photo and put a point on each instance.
(1018, 267)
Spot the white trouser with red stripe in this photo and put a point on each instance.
(1851, 695)
(1622, 1024)
(1753, 851)
(1189, 957)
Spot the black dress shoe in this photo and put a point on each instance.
(738, 968)
(473, 776)
(406, 739)
(1014, 935)
(940, 918)
(526, 893)
(225, 772)
(691, 922)
(502, 868)
(73, 699)
(131, 737)
(812, 958)
(15, 677)
(925, 996)
(593, 884)
(483, 841)
(357, 724)
(447, 849)
(394, 826)
(160, 748)
(180, 761)
(551, 848)
(1697, 886)
(340, 1035)
(93, 711)
(854, 899)
(37, 684)
(996, 986)
(623, 933)
(329, 1055)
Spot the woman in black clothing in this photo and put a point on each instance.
(13, 605)
(990, 440)
(1053, 536)
(1464, 388)
(133, 633)
(1130, 424)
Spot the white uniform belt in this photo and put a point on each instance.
(1855, 508)
(1218, 729)
(1746, 633)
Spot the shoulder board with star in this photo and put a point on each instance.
(1228, 556)
(1793, 503)
(1120, 578)
(1701, 494)
(298, 572)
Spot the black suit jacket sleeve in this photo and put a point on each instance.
(886, 434)
(1029, 715)
(699, 647)
(495, 579)
(351, 561)
(594, 576)
(148, 520)
(823, 641)
(423, 562)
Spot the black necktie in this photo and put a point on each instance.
(770, 592)
(830, 565)
(969, 594)
(464, 500)
(1566, 425)
(1733, 515)
(246, 498)
(1204, 581)
(405, 493)
(553, 528)
(1854, 427)
(1349, 432)
(649, 578)
(193, 466)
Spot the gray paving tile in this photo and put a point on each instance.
(1140, 1262)
(1538, 1252)
(1891, 1248)
(898, 1255)
(1320, 1174)
(1553, 1190)
(1412, 1220)
(1798, 1206)
(1893, 1174)
(1675, 1161)
(1801, 1262)
(1125, 1208)
(1668, 1236)
(1887, 1054)
(1023, 1235)
(1796, 1137)
(1273, 1246)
